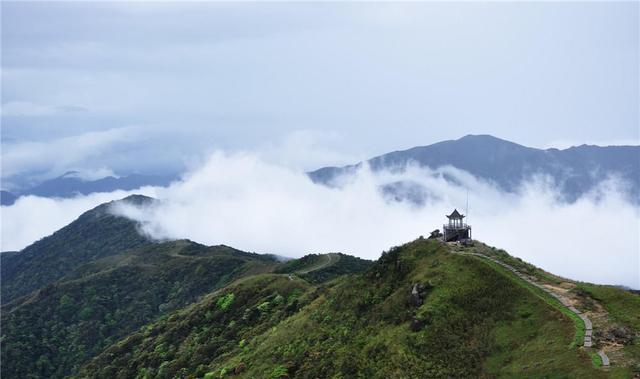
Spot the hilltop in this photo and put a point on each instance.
(422, 310)
(72, 294)
(97, 299)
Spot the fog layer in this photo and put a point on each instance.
(242, 201)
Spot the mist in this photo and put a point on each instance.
(32, 217)
(242, 201)
(254, 204)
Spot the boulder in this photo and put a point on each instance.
(418, 292)
(416, 325)
(619, 334)
(435, 234)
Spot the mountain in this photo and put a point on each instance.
(95, 234)
(423, 310)
(71, 184)
(98, 300)
(320, 268)
(52, 331)
(7, 198)
(70, 295)
(575, 170)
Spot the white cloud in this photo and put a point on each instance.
(90, 175)
(244, 202)
(25, 108)
(21, 108)
(60, 154)
(306, 149)
(32, 217)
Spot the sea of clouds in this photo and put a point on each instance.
(252, 204)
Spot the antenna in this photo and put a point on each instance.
(467, 210)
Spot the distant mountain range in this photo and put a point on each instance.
(70, 184)
(575, 170)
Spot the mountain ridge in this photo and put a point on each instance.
(70, 184)
(185, 310)
(54, 256)
(575, 170)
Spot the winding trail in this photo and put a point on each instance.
(329, 260)
(588, 326)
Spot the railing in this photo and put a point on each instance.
(457, 226)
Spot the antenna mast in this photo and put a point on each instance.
(467, 210)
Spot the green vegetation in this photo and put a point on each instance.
(224, 302)
(553, 302)
(623, 306)
(105, 302)
(320, 268)
(469, 320)
(188, 341)
(95, 234)
(52, 332)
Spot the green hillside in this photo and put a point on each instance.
(50, 333)
(466, 318)
(95, 234)
(98, 300)
(318, 268)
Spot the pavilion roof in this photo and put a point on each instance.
(456, 215)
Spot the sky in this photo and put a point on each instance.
(156, 87)
(242, 98)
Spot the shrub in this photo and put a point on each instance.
(225, 301)
(279, 372)
(264, 307)
(86, 313)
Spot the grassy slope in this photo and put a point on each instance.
(623, 308)
(190, 339)
(319, 268)
(51, 333)
(477, 322)
(95, 234)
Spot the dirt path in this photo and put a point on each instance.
(329, 259)
(567, 303)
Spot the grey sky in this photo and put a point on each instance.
(153, 86)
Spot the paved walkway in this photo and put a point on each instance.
(588, 326)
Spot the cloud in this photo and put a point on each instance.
(244, 202)
(28, 109)
(90, 175)
(306, 149)
(32, 217)
(383, 75)
(51, 157)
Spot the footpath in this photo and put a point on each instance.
(588, 326)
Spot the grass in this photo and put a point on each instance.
(474, 321)
(595, 358)
(623, 306)
(553, 302)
